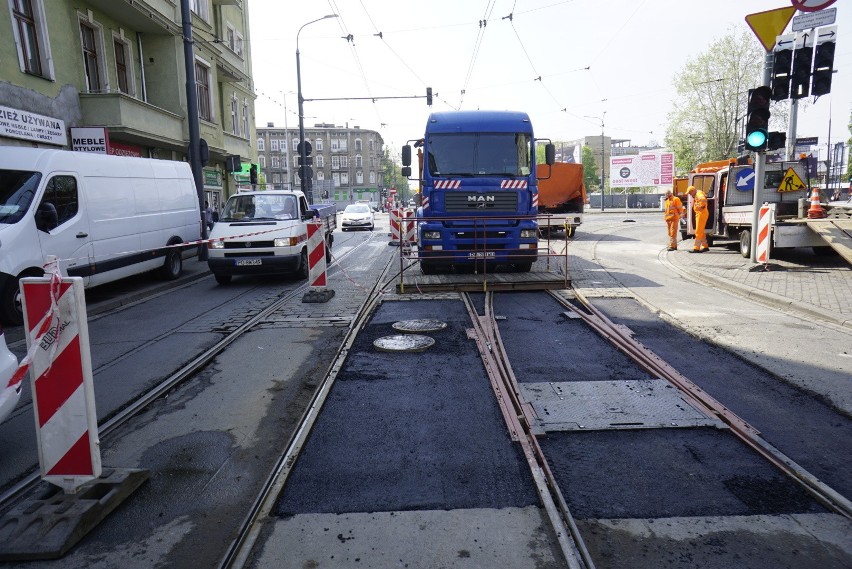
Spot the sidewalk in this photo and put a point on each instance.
(815, 285)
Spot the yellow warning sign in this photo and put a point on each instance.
(770, 24)
(791, 182)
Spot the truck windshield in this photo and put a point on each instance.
(17, 189)
(482, 154)
(260, 207)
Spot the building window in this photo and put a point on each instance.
(275, 162)
(344, 162)
(235, 123)
(371, 145)
(262, 161)
(357, 145)
(295, 145)
(344, 178)
(231, 38)
(320, 175)
(372, 177)
(201, 8)
(359, 162)
(123, 66)
(335, 162)
(245, 118)
(91, 57)
(320, 161)
(319, 145)
(336, 179)
(359, 177)
(31, 37)
(260, 144)
(335, 146)
(203, 91)
(273, 144)
(238, 45)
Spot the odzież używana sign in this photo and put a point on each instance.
(15, 123)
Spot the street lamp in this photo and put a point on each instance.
(602, 155)
(303, 152)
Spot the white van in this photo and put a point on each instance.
(104, 217)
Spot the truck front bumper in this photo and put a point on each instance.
(255, 265)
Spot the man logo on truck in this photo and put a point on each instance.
(481, 198)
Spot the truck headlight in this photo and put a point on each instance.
(218, 244)
(431, 235)
(281, 242)
(529, 233)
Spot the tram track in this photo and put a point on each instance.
(134, 407)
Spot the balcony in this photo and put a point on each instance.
(136, 120)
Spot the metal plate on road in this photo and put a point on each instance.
(420, 325)
(604, 405)
(404, 343)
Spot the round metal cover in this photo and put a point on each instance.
(404, 343)
(421, 325)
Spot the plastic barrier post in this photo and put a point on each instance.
(410, 234)
(316, 265)
(61, 375)
(394, 227)
(764, 232)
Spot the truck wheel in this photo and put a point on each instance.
(304, 268)
(327, 251)
(745, 243)
(11, 311)
(173, 265)
(222, 279)
(523, 267)
(427, 268)
(569, 232)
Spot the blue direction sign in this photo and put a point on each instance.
(745, 180)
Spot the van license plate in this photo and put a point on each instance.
(480, 255)
(248, 262)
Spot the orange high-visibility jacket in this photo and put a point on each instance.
(673, 208)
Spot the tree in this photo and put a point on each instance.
(705, 122)
(392, 175)
(590, 168)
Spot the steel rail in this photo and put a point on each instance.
(186, 371)
(238, 552)
(494, 358)
(622, 338)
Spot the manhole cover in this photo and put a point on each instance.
(404, 343)
(421, 325)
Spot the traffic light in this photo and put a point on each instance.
(781, 74)
(776, 140)
(429, 96)
(757, 118)
(802, 72)
(823, 62)
(253, 175)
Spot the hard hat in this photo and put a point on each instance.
(690, 188)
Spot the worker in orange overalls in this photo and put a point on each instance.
(699, 207)
(673, 210)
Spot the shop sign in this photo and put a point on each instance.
(90, 139)
(15, 123)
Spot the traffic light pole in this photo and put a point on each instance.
(759, 167)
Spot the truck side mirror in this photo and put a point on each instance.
(309, 214)
(46, 217)
(550, 154)
(406, 157)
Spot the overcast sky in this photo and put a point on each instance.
(559, 60)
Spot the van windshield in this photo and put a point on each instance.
(17, 190)
(259, 207)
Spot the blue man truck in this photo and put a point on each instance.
(478, 190)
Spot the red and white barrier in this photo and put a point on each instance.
(410, 235)
(394, 226)
(61, 375)
(316, 256)
(764, 232)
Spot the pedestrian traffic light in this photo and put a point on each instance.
(307, 160)
(823, 68)
(781, 74)
(801, 72)
(253, 175)
(429, 96)
(757, 118)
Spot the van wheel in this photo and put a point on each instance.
(745, 243)
(327, 252)
(304, 269)
(11, 311)
(222, 279)
(173, 265)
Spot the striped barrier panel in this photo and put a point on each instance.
(61, 375)
(316, 256)
(764, 232)
(409, 225)
(394, 226)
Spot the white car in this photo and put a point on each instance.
(9, 394)
(358, 216)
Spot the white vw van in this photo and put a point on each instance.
(104, 217)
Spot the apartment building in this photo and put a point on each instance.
(347, 162)
(109, 76)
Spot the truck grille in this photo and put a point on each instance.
(473, 202)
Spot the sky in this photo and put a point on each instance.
(574, 65)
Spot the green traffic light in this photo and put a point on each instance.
(756, 139)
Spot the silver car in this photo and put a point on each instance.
(358, 216)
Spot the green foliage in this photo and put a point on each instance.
(590, 168)
(705, 121)
(393, 178)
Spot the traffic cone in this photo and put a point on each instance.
(816, 210)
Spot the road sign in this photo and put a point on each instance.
(810, 20)
(807, 141)
(791, 182)
(811, 5)
(768, 25)
(745, 180)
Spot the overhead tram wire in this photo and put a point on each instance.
(483, 23)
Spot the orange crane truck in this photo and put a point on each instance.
(561, 197)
